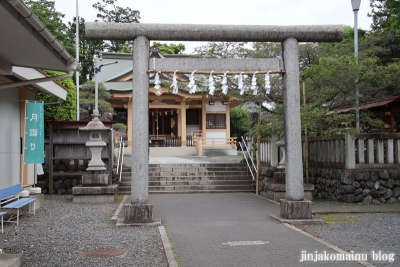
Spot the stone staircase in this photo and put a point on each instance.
(175, 151)
(193, 178)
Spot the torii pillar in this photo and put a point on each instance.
(293, 206)
(139, 210)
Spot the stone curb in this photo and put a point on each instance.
(118, 210)
(298, 221)
(361, 208)
(341, 251)
(155, 222)
(167, 247)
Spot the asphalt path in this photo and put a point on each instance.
(234, 229)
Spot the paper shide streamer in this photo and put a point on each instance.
(174, 84)
(192, 84)
(157, 84)
(267, 83)
(224, 84)
(211, 86)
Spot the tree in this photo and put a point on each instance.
(119, 127)
(87, 49)
(222, 50)
(385, 15)
(329, 71)
(170, 48)
(87, 101)
(65, 110)
(110, 12)
(54, 109)
(331, 84)
(385, 29)
(263, 50)
(52, 19)
(240, 122)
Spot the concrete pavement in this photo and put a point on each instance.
(236, 229)
(233, 229)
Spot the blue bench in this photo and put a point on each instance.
(10, 199)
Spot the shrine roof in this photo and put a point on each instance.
(367, 105)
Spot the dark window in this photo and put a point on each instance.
(120, 115)
(216, 121)
(193, 117)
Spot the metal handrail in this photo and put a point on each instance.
(246, 154)
(119, 149)
(245, 157)
(120, 158)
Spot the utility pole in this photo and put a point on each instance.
(77, 58)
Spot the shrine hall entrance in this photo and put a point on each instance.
(163, 127)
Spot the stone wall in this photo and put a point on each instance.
(357, 186)
(366, 186)
(267, 174)
(63, 184)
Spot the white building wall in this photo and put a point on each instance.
(221, 134)
(217, 107)
(9, 137)
(220, 137)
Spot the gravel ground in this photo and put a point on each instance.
(62, 232)
(362, 233)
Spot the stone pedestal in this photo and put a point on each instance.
(95, 194)
(296, 209)
(100, 179)
(138, 213)
(277, 191)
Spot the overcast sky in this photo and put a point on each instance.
(247, 12)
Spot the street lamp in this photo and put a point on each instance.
(77, 58)
(356, 6)
(97, 69)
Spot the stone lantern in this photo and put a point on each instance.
(281, 164)
(95, 126)
(95, 143)
(96, 187)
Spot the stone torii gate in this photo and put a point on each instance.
(293, 206)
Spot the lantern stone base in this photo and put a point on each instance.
(95, 194)
(99, 179)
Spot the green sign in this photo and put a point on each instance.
(34, 133)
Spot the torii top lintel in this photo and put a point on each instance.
(213, 33)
